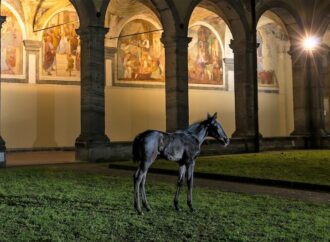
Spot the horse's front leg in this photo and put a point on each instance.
(190, 179)
(182, 172)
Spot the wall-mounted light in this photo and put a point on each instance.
(311, 43)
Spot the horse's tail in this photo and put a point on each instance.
(136, 152)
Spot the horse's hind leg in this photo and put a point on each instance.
(190, 179)
(182, 172)
(137, 181)
(143, 192)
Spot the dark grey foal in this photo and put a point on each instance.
(181, 146)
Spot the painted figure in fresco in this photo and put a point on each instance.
(204, 57)
(129, 66)
(78, 63)
(11, 45)
(70, 66)
(182, 146)
(61, 46)
(49, 56)
(140, 56)
(156, 69)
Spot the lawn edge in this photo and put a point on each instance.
(238, 179)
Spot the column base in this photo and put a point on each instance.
(93, 154)
(2, 153)
(245, 134)
(92, 149)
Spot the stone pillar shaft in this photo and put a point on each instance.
(300, 93)
(244, 90)
(176, 63)
(308, 89)
(92, 135)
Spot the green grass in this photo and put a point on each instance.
(56, 204)
(299, 166)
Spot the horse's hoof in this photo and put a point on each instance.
(139, 212)
(148, 209)
(191, 207)
(177, 208)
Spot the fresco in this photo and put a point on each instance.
(269, 36)
(61, 46)
(204, 57)
(11, 45)
(140, 53)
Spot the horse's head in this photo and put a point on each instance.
(215, 129)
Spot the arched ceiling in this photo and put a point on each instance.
(129, 7)
(45, 9)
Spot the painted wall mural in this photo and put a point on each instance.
(140, 53)
(205, 57)
(270, 37)
(61, 46)
(11, 44)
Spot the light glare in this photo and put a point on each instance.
(310, 43)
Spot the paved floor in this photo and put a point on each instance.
(39, 158)
(66, 160)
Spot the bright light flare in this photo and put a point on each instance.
(311, 42)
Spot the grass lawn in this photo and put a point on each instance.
(59, 204)
(299, 166)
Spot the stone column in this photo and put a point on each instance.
(32, 48)
(245, 106)
(317, 64)
(176, 75)
(2, 142)
(308, 93)
(300, 93)
(326, 81)
(92, 144)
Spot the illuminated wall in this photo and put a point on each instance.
(41, 96)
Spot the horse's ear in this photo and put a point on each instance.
(215, 116)
(209, 116)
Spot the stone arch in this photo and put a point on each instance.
(325, 15)
(288, 15)
(230, 12)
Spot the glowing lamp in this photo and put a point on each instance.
(310, 43)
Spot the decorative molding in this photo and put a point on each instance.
(59, 82)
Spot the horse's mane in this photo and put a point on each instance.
(196, 126)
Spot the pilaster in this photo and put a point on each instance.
(32, 49)
(110, 55)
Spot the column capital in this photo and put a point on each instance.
(110, 52)
(175, 40)
(85, 32)
(242, 46)
(32, 45)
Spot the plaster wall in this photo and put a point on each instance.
(34, 116)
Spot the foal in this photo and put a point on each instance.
(181, 146)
